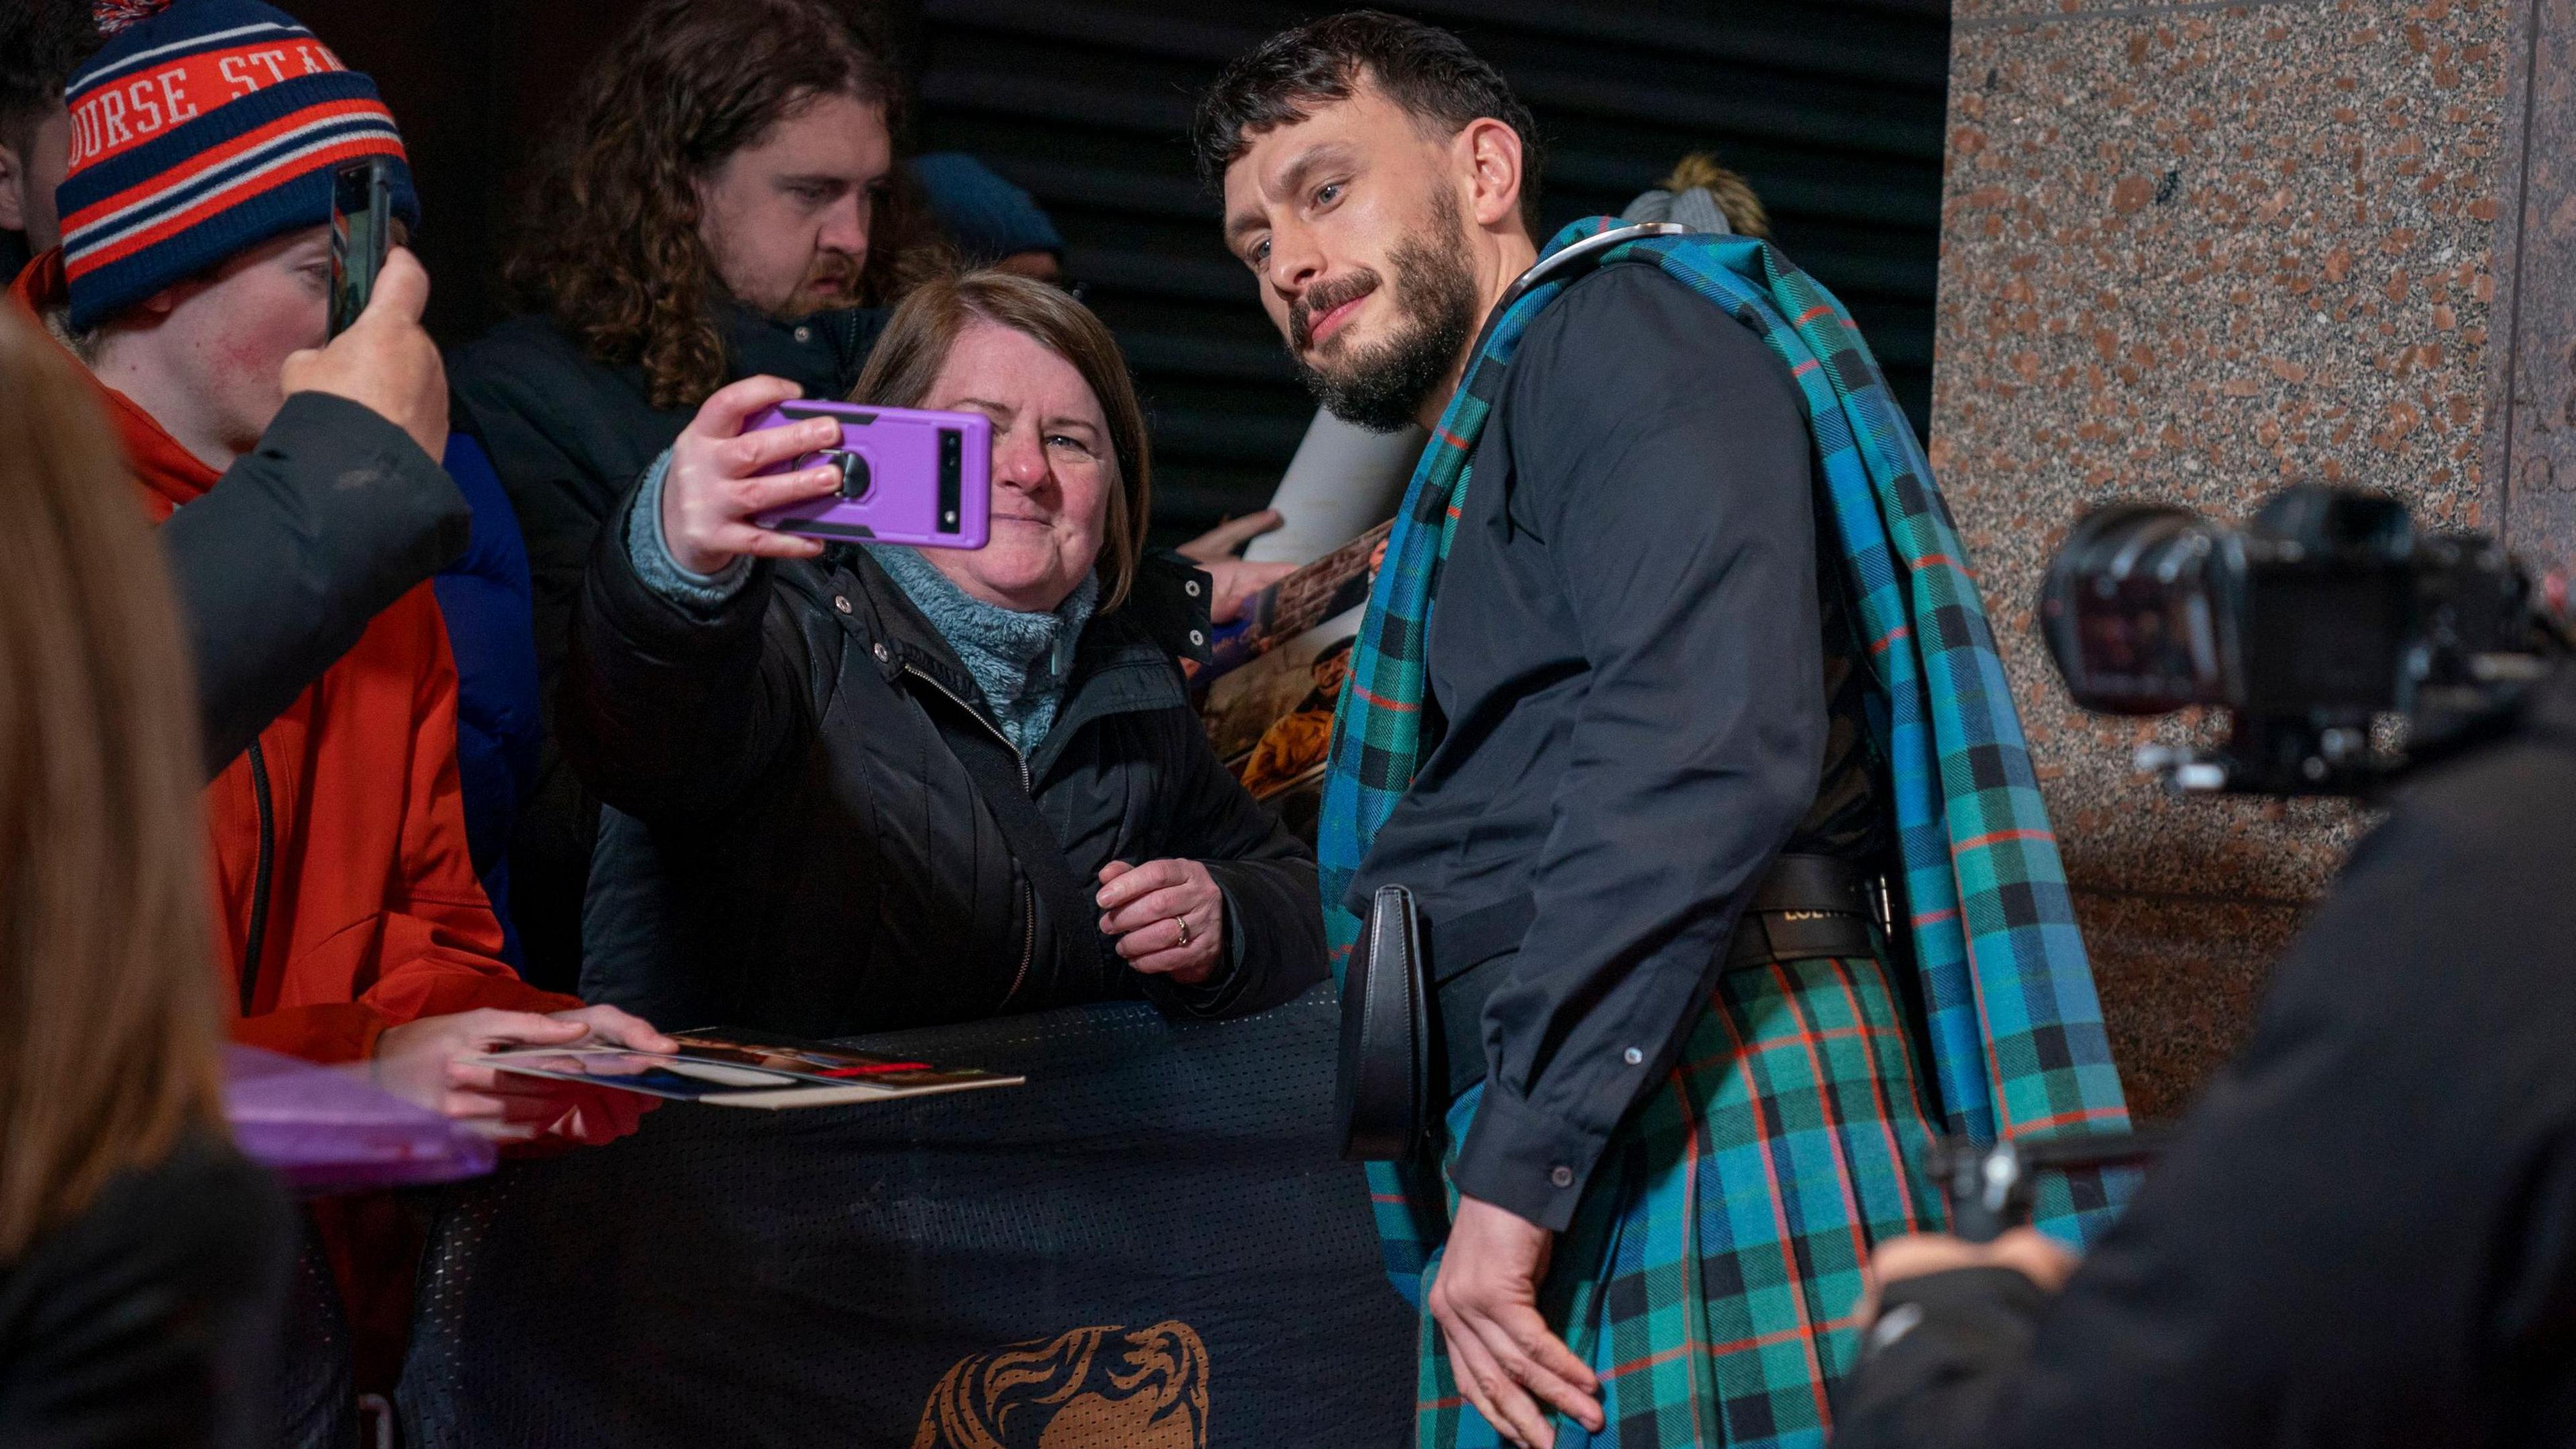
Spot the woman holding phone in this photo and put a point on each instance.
(889, 787)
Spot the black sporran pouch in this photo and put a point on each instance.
(1413, 1009)
(1383, 1091)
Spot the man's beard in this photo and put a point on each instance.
(830, 283)
(1383, 388)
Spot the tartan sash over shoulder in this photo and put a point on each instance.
(2015, 1028)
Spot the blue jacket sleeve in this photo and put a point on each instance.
(485, 597)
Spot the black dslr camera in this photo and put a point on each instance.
(2326, 616)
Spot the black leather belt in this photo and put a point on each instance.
(1808, 906)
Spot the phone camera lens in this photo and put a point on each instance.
(855, 480)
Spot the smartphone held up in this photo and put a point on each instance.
(362, 221)
(908, 475)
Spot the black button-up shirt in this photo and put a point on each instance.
(1631, 707)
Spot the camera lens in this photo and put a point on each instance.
(2138, 607)
(855, 480)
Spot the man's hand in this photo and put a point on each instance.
(2027, 1251)
(1485, 1298)
(1228, 538)
(609, 1026)
(385, 362)
(1168, 916)
(711, 492)
(1235, 580)
(428, 1062)
(550, 1116)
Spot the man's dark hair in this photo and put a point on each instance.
(1426, 71)
(609, 247)
(41, 43)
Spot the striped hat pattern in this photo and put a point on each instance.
(202, 131)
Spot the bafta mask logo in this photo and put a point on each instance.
(1092, 1388)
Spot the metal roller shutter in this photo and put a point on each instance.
(1832, 110)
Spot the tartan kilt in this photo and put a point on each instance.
(1711, 1268)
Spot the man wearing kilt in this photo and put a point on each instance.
(1706, 666)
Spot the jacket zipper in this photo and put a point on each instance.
(259, 877)
(1028, 899)
(1028, 892)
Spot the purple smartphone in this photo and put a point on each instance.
(907, 476)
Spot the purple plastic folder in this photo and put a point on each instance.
(327, 1131)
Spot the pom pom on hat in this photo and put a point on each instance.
(111, 16)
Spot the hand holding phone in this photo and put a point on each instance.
(386, 363)
(759, 471)
(719, 477)
(906, 475)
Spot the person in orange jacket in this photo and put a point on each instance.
(191, 279)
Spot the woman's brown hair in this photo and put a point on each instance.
(107, 1014)
(915, 347)
(609, 245)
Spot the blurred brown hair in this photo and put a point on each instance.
(1733, 194)
(916, 344)
(107, 1014)
(609, 243)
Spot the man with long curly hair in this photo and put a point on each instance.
(722, 201)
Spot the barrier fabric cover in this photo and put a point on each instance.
(1152, 1245)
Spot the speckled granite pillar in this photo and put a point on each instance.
(2194, 252)
(2531, 424)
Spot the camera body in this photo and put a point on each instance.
(2325, 614)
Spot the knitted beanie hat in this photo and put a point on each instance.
(987, 217)
(202, 131)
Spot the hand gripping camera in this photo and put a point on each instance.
(2327, 617)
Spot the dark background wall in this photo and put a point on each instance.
(1833, 108)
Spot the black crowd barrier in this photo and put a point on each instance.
(1152, 1245)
